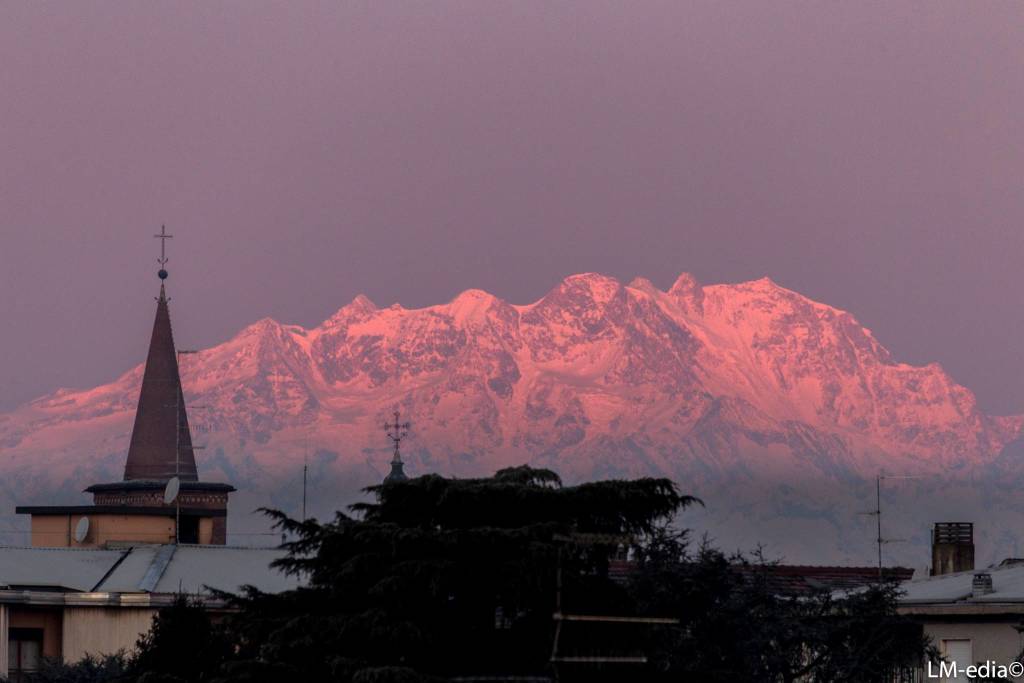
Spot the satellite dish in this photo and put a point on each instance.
(81, 529)
(171, 491)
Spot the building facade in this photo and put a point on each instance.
(95, 575)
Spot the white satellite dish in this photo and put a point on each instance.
(171, 491)
(81, 529)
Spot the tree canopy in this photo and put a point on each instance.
(441, 577)
(445, 579)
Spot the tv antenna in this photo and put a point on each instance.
(175, 483)
(81, 529)
(305, 471)
(171, 490)
(877, 514)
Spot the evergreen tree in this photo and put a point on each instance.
(182, 646)
(442, 577)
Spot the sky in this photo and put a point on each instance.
(868, 155)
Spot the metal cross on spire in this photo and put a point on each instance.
(163, 237)
(396, 431)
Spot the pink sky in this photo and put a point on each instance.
(867, 154)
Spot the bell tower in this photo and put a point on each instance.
(160, 499)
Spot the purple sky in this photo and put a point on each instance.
(867, 154)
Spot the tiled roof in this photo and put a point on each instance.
(802, 580)
(785, 579)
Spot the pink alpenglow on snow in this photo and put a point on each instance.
(776, 409)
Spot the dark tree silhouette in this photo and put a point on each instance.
(735, 624)
(441, 577)
(446, 578)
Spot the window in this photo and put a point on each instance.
(188, 532)
(25, 652)
(959, 651)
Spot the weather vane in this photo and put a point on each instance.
(163, 237)
(396, 432)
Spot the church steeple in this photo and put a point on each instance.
(142, 508)
(161, 445)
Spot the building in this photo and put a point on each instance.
(66, 603)
(136, 509)
(971, 616)
(95, 575)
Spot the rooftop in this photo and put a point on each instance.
(154, 569)
(786, 579)
(957, 588)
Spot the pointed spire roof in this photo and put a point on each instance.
(161, 445)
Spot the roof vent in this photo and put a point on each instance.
(982, 584)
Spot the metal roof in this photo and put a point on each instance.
(68, 568)
(143, 569)
(1007, 587)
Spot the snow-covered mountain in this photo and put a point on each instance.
(777, 410)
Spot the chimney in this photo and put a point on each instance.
(981, 585)
(953, 548)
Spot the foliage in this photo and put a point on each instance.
(735, 624)
(182, 646)
(440, 577)
(447, 577)
(92, 669)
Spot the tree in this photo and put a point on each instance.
(182, 646)
(440, 577)
(92, 669)
(736, 625)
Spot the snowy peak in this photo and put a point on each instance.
(688, 293)
(729, 389)
(595, 378)
(359, 308)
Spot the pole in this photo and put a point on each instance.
(878, 516)
(177, 465)
(178, 400)
(305, 468)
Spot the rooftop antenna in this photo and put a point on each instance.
(877, 514)
(305, 470)
(177, 448)
(396, 431)
(81, 529)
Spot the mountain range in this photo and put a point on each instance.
(777, 410)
